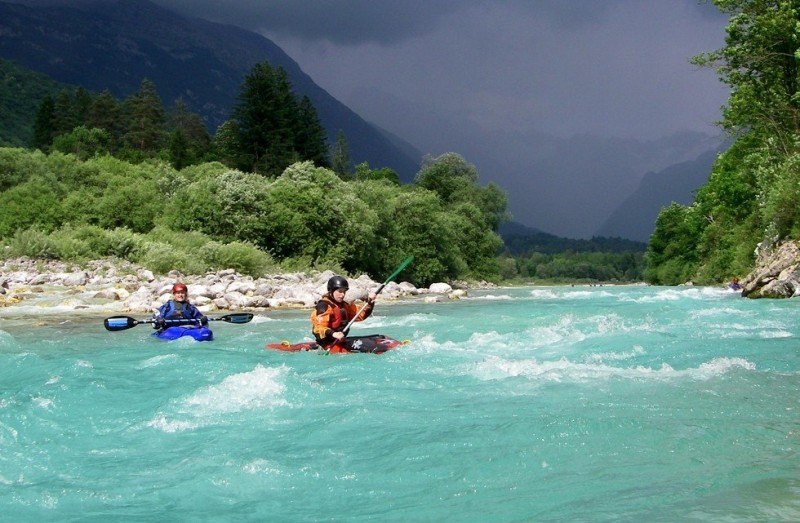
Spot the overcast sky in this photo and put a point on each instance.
(564, 67)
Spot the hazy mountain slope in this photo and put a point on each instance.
(563, 185)
(114, 45)
(635, 218)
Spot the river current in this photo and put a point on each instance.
(627, 403)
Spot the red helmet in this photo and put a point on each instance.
(179, 287)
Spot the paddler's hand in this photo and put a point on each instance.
(338, 336)
(371, 298)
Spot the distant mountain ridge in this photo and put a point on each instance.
(114, 45)
(568, 186)
(635, 218)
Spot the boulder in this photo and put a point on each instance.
(440, 288)
(776, 274)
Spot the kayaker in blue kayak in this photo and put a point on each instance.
(178, 308)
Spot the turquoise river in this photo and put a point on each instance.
(627, 403)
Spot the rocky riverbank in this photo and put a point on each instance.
(127, 287)
(776, 274)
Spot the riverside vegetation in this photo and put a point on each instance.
(749, 207)
(130, 180)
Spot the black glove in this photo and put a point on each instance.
(204, 321)
(160, 324)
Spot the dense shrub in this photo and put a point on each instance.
(210, 217)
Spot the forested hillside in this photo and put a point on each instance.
(134, 180)
(114, 45)
(750, 202)
(21, 92)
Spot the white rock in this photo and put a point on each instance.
(237, 300)
(74, 279)
(196, 291)
(107, 294)
(407, 288)
(242, 286)
(257, 302)
(200, 301)
(218, 289)
(440, 288)
(221, 303)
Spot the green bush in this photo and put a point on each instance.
(163, 257)
(83, 142)
(17, 165)
(123, 243)
(208, 217)
(182, 240)
(244, 258)
(34, 203)
(32, 243)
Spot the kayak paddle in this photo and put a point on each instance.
(380, 289)
(121, 323)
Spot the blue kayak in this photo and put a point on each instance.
(199, 333)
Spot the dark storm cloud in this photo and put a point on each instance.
(353, 22)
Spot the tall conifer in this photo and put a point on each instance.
(310, 139)
(43, 129)
(145, 112)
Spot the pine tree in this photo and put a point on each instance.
(310, 140)
(43, 128)
(180, 152)
(189, 139)
(104, 113)
(225, 146)
(145, 118)
(340, 161)
(64, 119)
(261, 121)
(83, 100)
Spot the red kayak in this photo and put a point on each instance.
(373, 343)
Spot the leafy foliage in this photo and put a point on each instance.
(341, 162)
(750, 200)
(519, 243)
(211, 216)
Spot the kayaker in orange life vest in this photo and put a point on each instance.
(331, 314)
